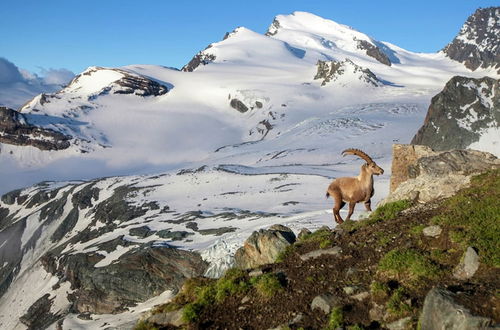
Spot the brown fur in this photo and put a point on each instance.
(354, 190)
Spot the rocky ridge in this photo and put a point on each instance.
(334, 71)
(461, 113)
(15, 129)
(478, 42)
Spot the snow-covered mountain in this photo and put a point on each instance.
(248, 134)
(478, 42)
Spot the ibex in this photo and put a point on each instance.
(354, 189)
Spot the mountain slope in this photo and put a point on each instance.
(478, 42)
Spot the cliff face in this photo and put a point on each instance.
(464, 111)
(478, 42)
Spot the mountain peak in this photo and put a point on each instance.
(478, 42)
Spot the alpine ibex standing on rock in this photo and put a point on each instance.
(354, 189)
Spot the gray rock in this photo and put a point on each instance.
(401, 324)
(477, 43)
(39, 315)
(377, 312)
(361, 296)
(264, 246)
(440, 311)
(334, 251)
(170, 318)
(238, 105)
(303, 232)
(15, 129)
(350, 290)
(330, 71)
(432, 231)
(458, 115)
(325, 302)
(434, 175)
(468, 265)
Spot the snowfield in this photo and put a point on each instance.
(221, 171)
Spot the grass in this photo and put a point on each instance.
(286, 253)
(336, 318)
(267, 285)
(473, 215)
(408, 264)
(385, 212)
(396, 304)
(417, 230)
(322, 237)
(144, 325)
(379, 290)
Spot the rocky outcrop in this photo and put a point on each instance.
(374, 51)
(478, 42)
(39, 315)
(135, 277)
(137, 85)
(264, 246)
(441, 311)
(468, 265)
(15, 129)
(202, 58)
(461, 113)
(334, 71)
(421, 174)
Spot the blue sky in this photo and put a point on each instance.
(71, 34)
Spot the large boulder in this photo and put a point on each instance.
(441, 311)
(264, 246)
(422, 175)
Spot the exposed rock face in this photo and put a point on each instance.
(135, 277)
(141, 86)
(440, 311)
(374, 51)
(15, 129)
(202, 58)
(264, 246)
(423, 175)
(331, 71)
(39, 315)
(461, 113)
(478, 42)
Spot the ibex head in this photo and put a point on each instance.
(370, 165)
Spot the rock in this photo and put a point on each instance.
(238, 105)
(361, 296)
(334, 251)
(432, 174)
(264, 246)
(401, 324)
(350, 290)
(325, 302)
(202, 58)
(477, 43)
(374, 51)
(15, 129)
(170, 318)
(39, 315)
(303, 232)
(460, 114)
(432, 231)
(255, 272)
(440, 311)
(468, 265)
(377, 312)
(333, 71)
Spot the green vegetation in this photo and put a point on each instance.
(396, 304)
(417, 230)
(379, 290)
(473, 215)
(289, 250)
(267, 285)
(382, 213)
(144, 325)
(355, 327)
(320, 236)
(336, 318)
(408, 263)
